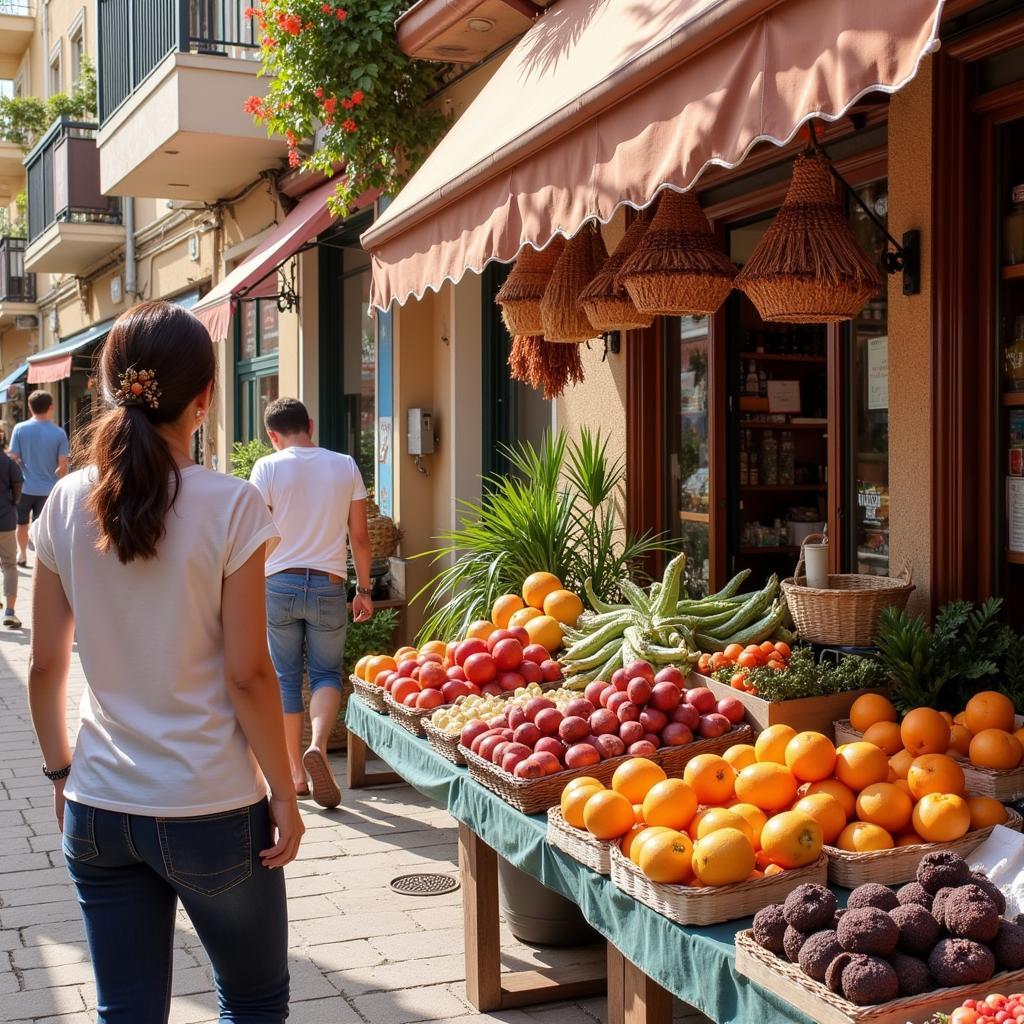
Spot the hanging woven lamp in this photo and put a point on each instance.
(561, 311)
(678, 269)
(605, 300)
(549, 368)
(809, 268)
(520, 295)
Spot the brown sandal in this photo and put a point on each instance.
(325, 789)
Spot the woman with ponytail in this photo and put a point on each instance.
(155, 566)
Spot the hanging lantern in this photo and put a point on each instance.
(549, 368)
(520, 295)
(605, 300)
(561, 310)
(678, 269)
(809, 268)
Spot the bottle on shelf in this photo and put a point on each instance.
(750, 386)
(787, 458)
(769, 458)
(754, 470)
(744, 458)
(762, 382)
(1013, 228)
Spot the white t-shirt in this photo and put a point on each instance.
(309, 491)
(159, 735)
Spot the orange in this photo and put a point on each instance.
(1019, 734)
(574, 800)
(670, 802)
(740, 756)
(863, 837)
(947, 716)
(960, 740)
(904, 787)
(754, 817)
(941, 817)
(360, 669)
(638, 813)
(810, 756)
(989, 710)
(404, 654)
(637, 842)
(925, 731)
(935, 773)
(722, 817)
(870, 708)
(994, 748)
(537, 586)
(377, 664)
(908, 839)
(985, 812)
(480, 630)
(608, 815)
(772, 869)
(627, 840)
(960, 719)
(767, 785)
(886, 805)
(635, 778)
(522, 617)
(885, 735)
(504, 608)
(667, 858)
(826, 811)
(564, 606)
(436, 647)
(860, 764)
(724, 857)
(791, 839)
(711, 776)
(843, 794)
(771, 744)
(582, 780)
(545, 631)
(900, 763)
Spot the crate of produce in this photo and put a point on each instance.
(821, 1004)
(369, 694)
(692, 905)
(893, 866)
(534, 796)
(579, 843)
(410, 719)
(446, 744)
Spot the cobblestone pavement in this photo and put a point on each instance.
(360, 953)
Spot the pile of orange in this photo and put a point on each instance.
(542, 609)
(985, 732)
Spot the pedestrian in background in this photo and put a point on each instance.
(318, 499)
(155, 566)
(41, 449)
(10, 494)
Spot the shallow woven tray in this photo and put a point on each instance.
(445, 744)
(579, 843)
(533, 796)
(891, 867)
(686, 904)
(369, 694)
(410, 719)
(1005, 785)
(824, 1006)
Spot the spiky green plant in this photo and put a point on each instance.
(553, 512)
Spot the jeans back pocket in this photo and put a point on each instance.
(209, 854)
(280, 606)
(79, 832)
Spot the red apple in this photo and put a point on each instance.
(531, 672)
(518, 748)
(675, 734)
(616, 700)
(471, 730)
(610, 745)
(468, 648)
(499, 751)
(480, 737)
(407, 667)
(673, 675)
(627, 711)
(607, 693)
(619, 679)
(507, 655)
(535, 705)
(579, 707)
(640, 670)
(639, 690)
(548, 762)
(456, 674)
(732, 708)
(528, 735)
(653, 738)
(631, 732)
(520, 634)
(528, 768)
(510, 681)
(425, 659)
(573, 728)
(603, 721)
(552, 670)
(487, 745)
(686, 714)
(453, 690)
(642, 749)
(665, 697)
(432, 676)
(548, 720)
(653, 720)
(536, 653)
(702, 699)
(491, 690)
(507, 734)
(513, 759)
(496, 638)
(516, 716)
(582, 755)
(714, 725)
(480, 668)
(593, 692)
(473, 688)
(550, 745)
(409, 700)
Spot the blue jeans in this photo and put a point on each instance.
(130, 871)
(306, 615)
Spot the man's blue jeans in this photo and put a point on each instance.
(306, 614)
(130, 871)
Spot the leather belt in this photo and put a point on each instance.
(333, 577)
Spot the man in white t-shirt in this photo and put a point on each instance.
(317, 498)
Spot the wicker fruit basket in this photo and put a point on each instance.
(820, 1004)
(534, 796)
(687, 904)
(411, 719)
(892, 867)
(847, 613)
(446, 744)
(579, 844)
(384, 535)
(369, 694)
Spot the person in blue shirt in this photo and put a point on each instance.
(40, 448)
(10, 495)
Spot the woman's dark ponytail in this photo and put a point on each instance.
(137, 476)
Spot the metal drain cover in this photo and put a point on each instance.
(424, 884)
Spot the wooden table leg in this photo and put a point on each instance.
(633, 998)
(486, 987)
(355, 761)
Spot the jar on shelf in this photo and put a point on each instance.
(1013, 357)
(1013, 228)
(769, 458)
(787, 459)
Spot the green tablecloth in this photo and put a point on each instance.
(696, 964)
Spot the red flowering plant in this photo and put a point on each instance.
(337, 77)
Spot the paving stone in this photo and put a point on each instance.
(47, 1002)
(10, 939)
(411, 1004)
(344, 927)
(61, 931)
(392, 976)
(75, 973)
(58, 910)
(330, 957)
(191, 980)
(323, 1011)
(419, 945)
(53, 954)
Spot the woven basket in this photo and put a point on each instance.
(605, 300)
(533, 796)
(579, 844)
(892, 867)
(808, 266)
(410, 719)
(561, 311)
(337, 739)
(822, 1005)
(687, 904)
(678, 269)
(845, 615)
(520, 295)
(1005, 785)
(384, 535)
(369, 694)
(444, 743)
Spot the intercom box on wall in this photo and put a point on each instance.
(421, 432)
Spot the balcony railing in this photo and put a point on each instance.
(63, 172)
(15, 284)
(136, 35)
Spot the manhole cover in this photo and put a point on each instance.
(424, 884)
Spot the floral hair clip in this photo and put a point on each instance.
(138, 386)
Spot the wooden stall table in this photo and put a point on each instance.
(649, 958)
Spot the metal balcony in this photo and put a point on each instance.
(16, 284)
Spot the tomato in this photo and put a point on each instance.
(719, 660)
(704, 664)
(997, 1001)
(733, 651)
(748, 660)
(752, 690)
(768, 647)
(964, 1016)
(739, 681)
(776, 666)
(783, 649)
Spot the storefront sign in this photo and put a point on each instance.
(783, 396)
(878, 373)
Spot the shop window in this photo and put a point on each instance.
(257, 330)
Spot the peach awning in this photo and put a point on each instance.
(604, 102)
